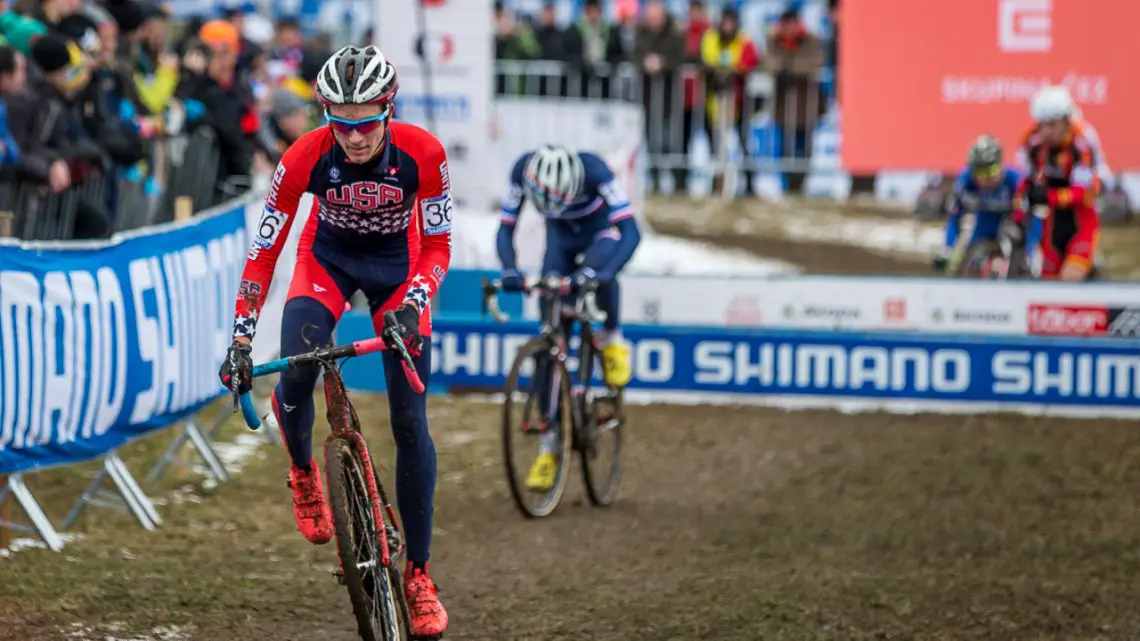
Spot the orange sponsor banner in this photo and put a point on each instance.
(920, 79)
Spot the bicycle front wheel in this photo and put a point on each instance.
(537, 416)
(599, 444)
(372, 588)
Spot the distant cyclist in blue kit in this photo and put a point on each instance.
(985, 187)
(591, 234)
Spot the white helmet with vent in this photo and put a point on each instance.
(357, 76)
(1052, 103)
(553, 178)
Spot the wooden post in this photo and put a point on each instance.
(183, 208)
(6, 502)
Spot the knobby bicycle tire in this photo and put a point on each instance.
(352, 517)
(600, 493)
(532, 350)
(395, 576)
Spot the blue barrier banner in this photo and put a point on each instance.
(1044, 371)
(101, 343)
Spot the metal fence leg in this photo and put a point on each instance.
(170, 456)
(205, 448)
(202, 444)
(139, 503)
(130, 495)
(41, 525)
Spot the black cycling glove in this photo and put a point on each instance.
(408, 318)
(239, 363)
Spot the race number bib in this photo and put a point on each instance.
(613, 195)
(437, 215)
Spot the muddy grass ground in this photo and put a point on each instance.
(733, 523)
(823, 237)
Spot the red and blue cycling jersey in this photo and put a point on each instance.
(601, 212)
(383, 227)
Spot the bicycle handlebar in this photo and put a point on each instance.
(586, 307)
(390, 337)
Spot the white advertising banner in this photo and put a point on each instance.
(886, 304)
(446, 82)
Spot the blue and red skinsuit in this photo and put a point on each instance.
(384, 228)
(599, 225)
(990, 208)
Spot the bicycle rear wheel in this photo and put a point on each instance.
(526, 422)
(600, 438)
(376, 592)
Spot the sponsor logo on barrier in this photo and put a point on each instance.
(743, 310)
(651, 310)
(117, 345)
(822, 312)
(894, 310)
(973, 316)
(1067, 320)
(845, 367)
(1101, 376)
(1123, 322)
(786, 365)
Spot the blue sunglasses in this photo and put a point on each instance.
(364, 125)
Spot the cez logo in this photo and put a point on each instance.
(438, 48)
(1025, 25)
(365, 196)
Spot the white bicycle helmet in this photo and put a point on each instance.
(357, 76)
(1052, 103)
(553, 178)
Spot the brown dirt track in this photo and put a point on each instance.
(733, 523)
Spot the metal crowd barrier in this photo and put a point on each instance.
(770, 119)
(181, 167)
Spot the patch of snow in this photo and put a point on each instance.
(666, 255)
(22, 544)
(82, 632)
(475, 234)
(234, 454)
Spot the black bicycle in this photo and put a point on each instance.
(1002, 258)
(552, 386)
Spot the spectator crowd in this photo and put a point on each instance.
(108, 110)
(688, 73)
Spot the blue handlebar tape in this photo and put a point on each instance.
(249, 413)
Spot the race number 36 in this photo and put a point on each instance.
(437, 215)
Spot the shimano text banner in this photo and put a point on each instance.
(103, 343)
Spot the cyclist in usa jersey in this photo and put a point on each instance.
(382, 226)
(587, 217)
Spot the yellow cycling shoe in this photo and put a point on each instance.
(542, 473)
(615, 360)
